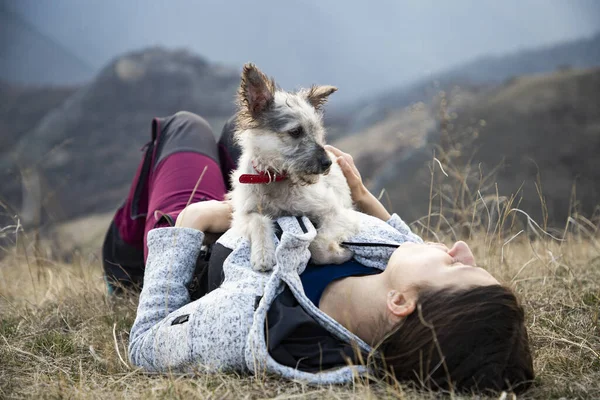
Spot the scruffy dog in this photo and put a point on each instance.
(284, 170)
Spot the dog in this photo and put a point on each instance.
(284, 169)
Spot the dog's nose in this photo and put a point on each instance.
(325, 162)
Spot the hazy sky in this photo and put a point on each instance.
(361, 46)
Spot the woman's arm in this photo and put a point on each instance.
(362, 198)
(157, 340)
(172, 255)
(207, 216)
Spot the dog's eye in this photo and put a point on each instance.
(296, 132)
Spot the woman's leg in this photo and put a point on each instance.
(183, 149)
(229, 150)
(186, 170)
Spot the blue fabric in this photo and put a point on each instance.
(315, 278)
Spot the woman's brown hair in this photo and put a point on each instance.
(463, 340)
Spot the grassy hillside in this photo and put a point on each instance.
(533, 135)
(543, 132)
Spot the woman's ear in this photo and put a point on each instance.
(401, 305)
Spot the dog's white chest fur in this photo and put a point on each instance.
(327, 203)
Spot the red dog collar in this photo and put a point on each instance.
(262, 177)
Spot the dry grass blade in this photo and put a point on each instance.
(507, 242)
(117, 347)
(580, 345)
(531, 222)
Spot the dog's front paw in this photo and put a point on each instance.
(262, 259)
(323, 252)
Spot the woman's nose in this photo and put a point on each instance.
(462, 253)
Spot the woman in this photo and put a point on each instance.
(418, 311)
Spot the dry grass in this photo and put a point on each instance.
(61, 336)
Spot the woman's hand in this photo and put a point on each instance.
(357, 190)
(210, 216)
(362, 198)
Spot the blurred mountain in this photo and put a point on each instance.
(482, 72)
(530, 135)
(80, 157)
(29, 56)
(21, 107)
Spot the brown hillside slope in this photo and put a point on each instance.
(544, 123)
(543, 129)
(21, 108)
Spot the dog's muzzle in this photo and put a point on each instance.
(325, 163)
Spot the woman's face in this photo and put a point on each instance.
(435, 265)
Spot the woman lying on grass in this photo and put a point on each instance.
(400, 308)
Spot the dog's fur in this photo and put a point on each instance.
(282, 132)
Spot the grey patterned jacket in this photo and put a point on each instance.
(224, 330)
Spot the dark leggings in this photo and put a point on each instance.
(181, 150)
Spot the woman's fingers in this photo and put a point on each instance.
(351, 177)
(358, 191)
(338, 153)
(334, 150)
(347, 157)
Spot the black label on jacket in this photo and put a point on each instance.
(181, 319)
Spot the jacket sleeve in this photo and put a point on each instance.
(155, 335)
(397, 223)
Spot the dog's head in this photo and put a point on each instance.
(283, 131)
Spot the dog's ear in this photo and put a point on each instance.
(256, 91)
(317, 95)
